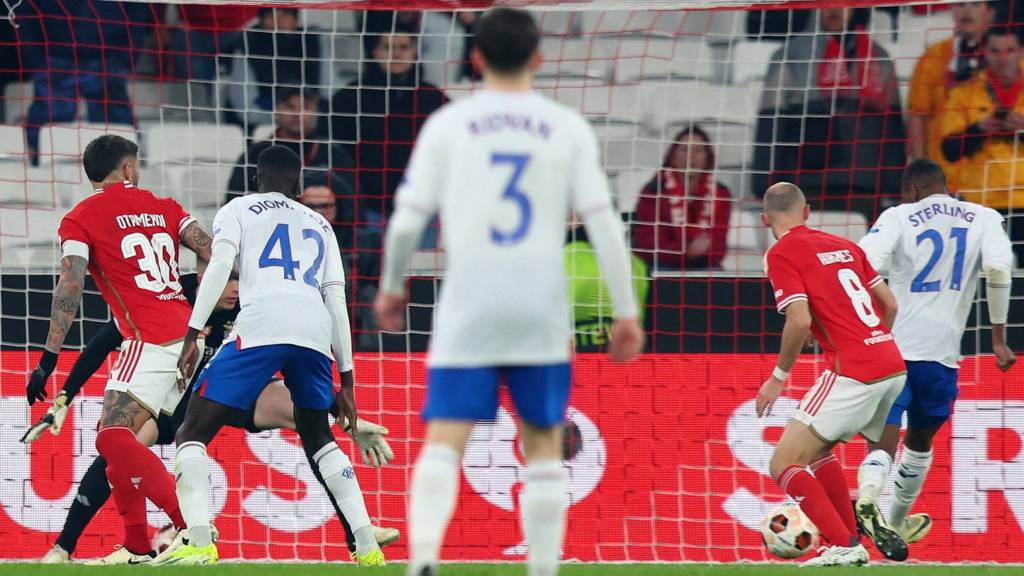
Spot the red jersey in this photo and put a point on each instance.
(130, 238)
(835, 278)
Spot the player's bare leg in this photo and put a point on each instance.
(338, 475)
(203, 420)
(433, 492)
(798, 448)
(543, 510)
(135, 474)
(274, 409)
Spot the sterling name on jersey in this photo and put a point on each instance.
(286, 254)
(504, 170)
(935, 248)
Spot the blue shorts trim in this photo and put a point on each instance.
(927, 397)
(235, 377)
(540, 393)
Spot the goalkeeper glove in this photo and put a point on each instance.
(53, 419)
(36, 387)
(372, 445)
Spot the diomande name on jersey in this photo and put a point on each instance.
(286, 254)
(937, 247)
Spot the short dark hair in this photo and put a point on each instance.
(922, 173)
(278, 169)
(507, 38)
(1002, 29)
(105, 154)
(283, 93)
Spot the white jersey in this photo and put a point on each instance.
(287, 254)
(937, 247)
(504, 170)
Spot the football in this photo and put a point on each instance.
(787, 533)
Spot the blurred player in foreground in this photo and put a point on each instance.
(273, 409)
(826, 284)
(937, 246)
(129, 240)
(292, 289)
(504, 167)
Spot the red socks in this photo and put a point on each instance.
(135, 473)
(830, 474)
(798, 483)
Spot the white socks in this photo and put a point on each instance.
(910, 475)
(340, 478)
(873, 472)
(543, 513)
(192, 470)
(432, 496)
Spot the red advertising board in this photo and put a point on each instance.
(670, 464)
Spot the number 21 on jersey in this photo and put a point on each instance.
(280, 242)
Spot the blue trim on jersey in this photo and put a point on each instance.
(927, 397)
(235, 377)
(540, 394)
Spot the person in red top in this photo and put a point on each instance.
(826, 285)
(129, 240)
(682, 218)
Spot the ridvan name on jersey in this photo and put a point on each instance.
(141, 221)
(501, 122)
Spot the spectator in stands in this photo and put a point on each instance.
(277, 52)
(80, 49)
(379, 115)
(682, 218)
(944, 65)
(830, 118)
(981, 128)
(207, 31)
(328, 165)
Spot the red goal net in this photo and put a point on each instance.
(698, 106)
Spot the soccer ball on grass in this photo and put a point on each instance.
(787, 533)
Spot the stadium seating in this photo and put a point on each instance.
(184, 142)
(67, 142)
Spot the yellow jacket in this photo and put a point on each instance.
(929, 90)
(994, 175)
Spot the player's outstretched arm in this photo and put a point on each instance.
(66, 299)
(997, 262)
(207, 296)
(606, 235)
(404, 231)
(794, 335)
(88, 362)
(197, 240)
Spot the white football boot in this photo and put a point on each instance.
(840, 556)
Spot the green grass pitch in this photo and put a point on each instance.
(515, 570)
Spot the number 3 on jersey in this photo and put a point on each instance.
(512, 192)
(280, 240)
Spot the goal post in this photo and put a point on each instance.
(697, 105)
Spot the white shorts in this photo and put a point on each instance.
(839, 408)
(148, 373)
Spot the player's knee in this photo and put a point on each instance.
(919, 439)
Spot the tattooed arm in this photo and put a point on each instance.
(66, 298)
(197, 240)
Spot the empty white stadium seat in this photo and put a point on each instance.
(12, 145)
(184, 142)
(154, 100)
(850, 225)
(750, 59)
(263, 132)
(665, 104)
(17, 98)
(745, 241)
(197, 186)
(656, 58)
(66, 142)
(566, 58)
(628, 185)
(33, 224)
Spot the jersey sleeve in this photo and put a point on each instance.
(227, 227)
(180, 216)
(334, 271)
(787, 284)
(423, 179)
(882, 239)
(868, 271)
(589, 183)
(74, 238)
(996, 250)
